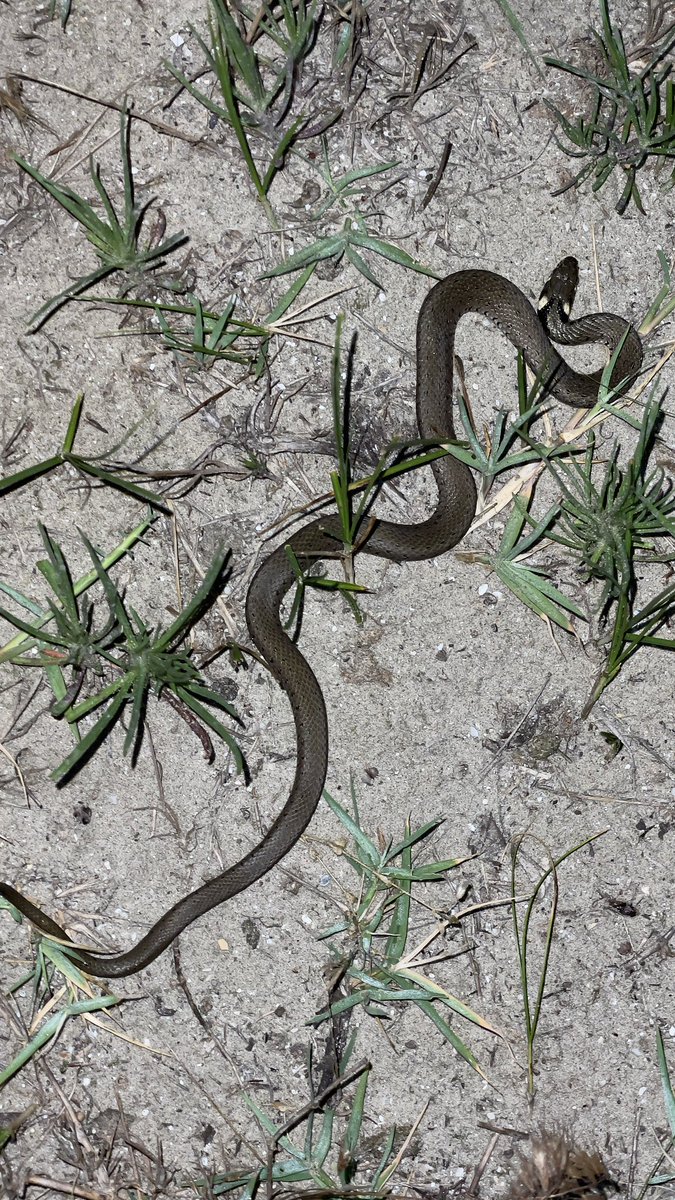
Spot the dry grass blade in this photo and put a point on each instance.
(554, 1168)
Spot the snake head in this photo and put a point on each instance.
(560, 288)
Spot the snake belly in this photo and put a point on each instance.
(473, 291)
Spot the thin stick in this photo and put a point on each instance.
(160, 126)
(19, 772)
(313, 1105)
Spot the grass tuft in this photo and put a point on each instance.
(533, 1009)
(613, 527)
(378, 969)
(333, 1166)
(631, 119)
(115, 238)
(121, 646)
(257, 92)
(84, 466)
(354, 237)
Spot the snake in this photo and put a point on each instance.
(531, 331)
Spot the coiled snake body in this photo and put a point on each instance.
(472, 291)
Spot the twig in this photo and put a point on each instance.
(313, 1105)
(160, 126)
(505, 744)
(191, 721)
(440, 171)
(19, 772)
(58, 1185)
(472, 1189)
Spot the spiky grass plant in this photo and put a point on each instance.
(122, 650)
(612, 527)
(115, 237)
(377, 969)
(87, 467)
(632, 114)
(332, 1158)
(532, 1007)
(256, 91)
(354, 236)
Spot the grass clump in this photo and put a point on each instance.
(122, 652)
(378, 969)
(334, 1157)
(532, 1009)
(202, 336)
(355, 236)
(89, 467)
(613, 527)
(631, 120)
(257, 90)
(115, 237)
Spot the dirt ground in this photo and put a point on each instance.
(452, 699)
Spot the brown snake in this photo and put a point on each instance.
(508, 308)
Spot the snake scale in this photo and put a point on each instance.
(471, 291)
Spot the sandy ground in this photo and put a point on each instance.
(419, 698)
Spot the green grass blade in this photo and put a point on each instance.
(55, 570)
(323, 248)
(213, 578)
(394, 253)
(537, 593)
(361, 266)
(19, 478)
(352, 1133)
(86, 580)
(51, 1029)
(25, 602)
(109, 240)
(450, 1036)
(517, 27)
(281, 150)
(78, 711)
(77, 756)
(73, 424)
(32, 631)
(208, 694)
(234, 47)
(186, 695)
(52, 305)
(111, 594)
(366, 846)
(668, 1094)
(412, 838)
(139, 700)
(290, 295)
